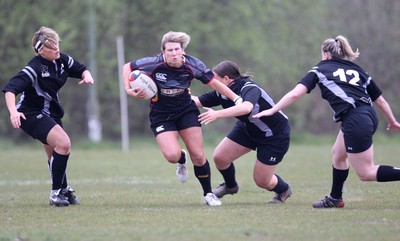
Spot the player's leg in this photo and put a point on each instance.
(264, 176)
(58, 139)
(193, 139)
(366, 170)
(224, 154)
(171, 149)
(269, 155)
(66, 190)
(358, 131)
(340, 167)
(169, 146)
(340, 172)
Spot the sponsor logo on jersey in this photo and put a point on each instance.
(45, 71)
(171, 92)
(162, 77)
(40, 116)
(160, 128)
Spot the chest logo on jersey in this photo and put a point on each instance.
(162, 77)
(45, 71)
(171, 92)
(62, 68)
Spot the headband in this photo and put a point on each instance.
(38, 46)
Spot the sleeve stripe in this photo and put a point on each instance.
(70, 62)
(30, 72)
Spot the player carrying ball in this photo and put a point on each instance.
(172, 111)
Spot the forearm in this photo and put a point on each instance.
(197, 101)
(237, 110)
(286, 101)
(385, 108)
(290, 98)
(126, 71)
(10, 102)
(222, 89)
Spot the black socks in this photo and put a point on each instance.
(57, 167)
(387, 174)
(203, 174)
(338, 179)
(229, 176)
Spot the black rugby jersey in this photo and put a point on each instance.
(262, 127)
(40, 82)
(173, 83)
(343, 84)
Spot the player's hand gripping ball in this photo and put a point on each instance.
(142, 80)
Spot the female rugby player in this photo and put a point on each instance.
(172, 111)
(351, 93)
(270, 136)
(39, 111)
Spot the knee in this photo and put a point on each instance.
(198, 159)
(63, 146)
(338, 156)
(366, 176)
(172, 156)
(221, 161)
(264, 183)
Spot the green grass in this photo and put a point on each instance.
(136, 196)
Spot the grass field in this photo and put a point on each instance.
(136, 196)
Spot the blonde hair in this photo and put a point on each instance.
(339, 47)
(175, 37)
(44, 37)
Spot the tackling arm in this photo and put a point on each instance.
(286, 101)
(224, 90)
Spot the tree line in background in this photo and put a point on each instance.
(276, 41)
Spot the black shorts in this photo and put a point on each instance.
(39, 126)
(358, 127)
(270, 150)
(161, 122)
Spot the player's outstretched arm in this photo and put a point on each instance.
(286, 100)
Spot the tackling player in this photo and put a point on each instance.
(270, 136)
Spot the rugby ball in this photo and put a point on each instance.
(142, 80)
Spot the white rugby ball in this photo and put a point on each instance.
(142, 80)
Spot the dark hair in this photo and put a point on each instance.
(228, 68)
